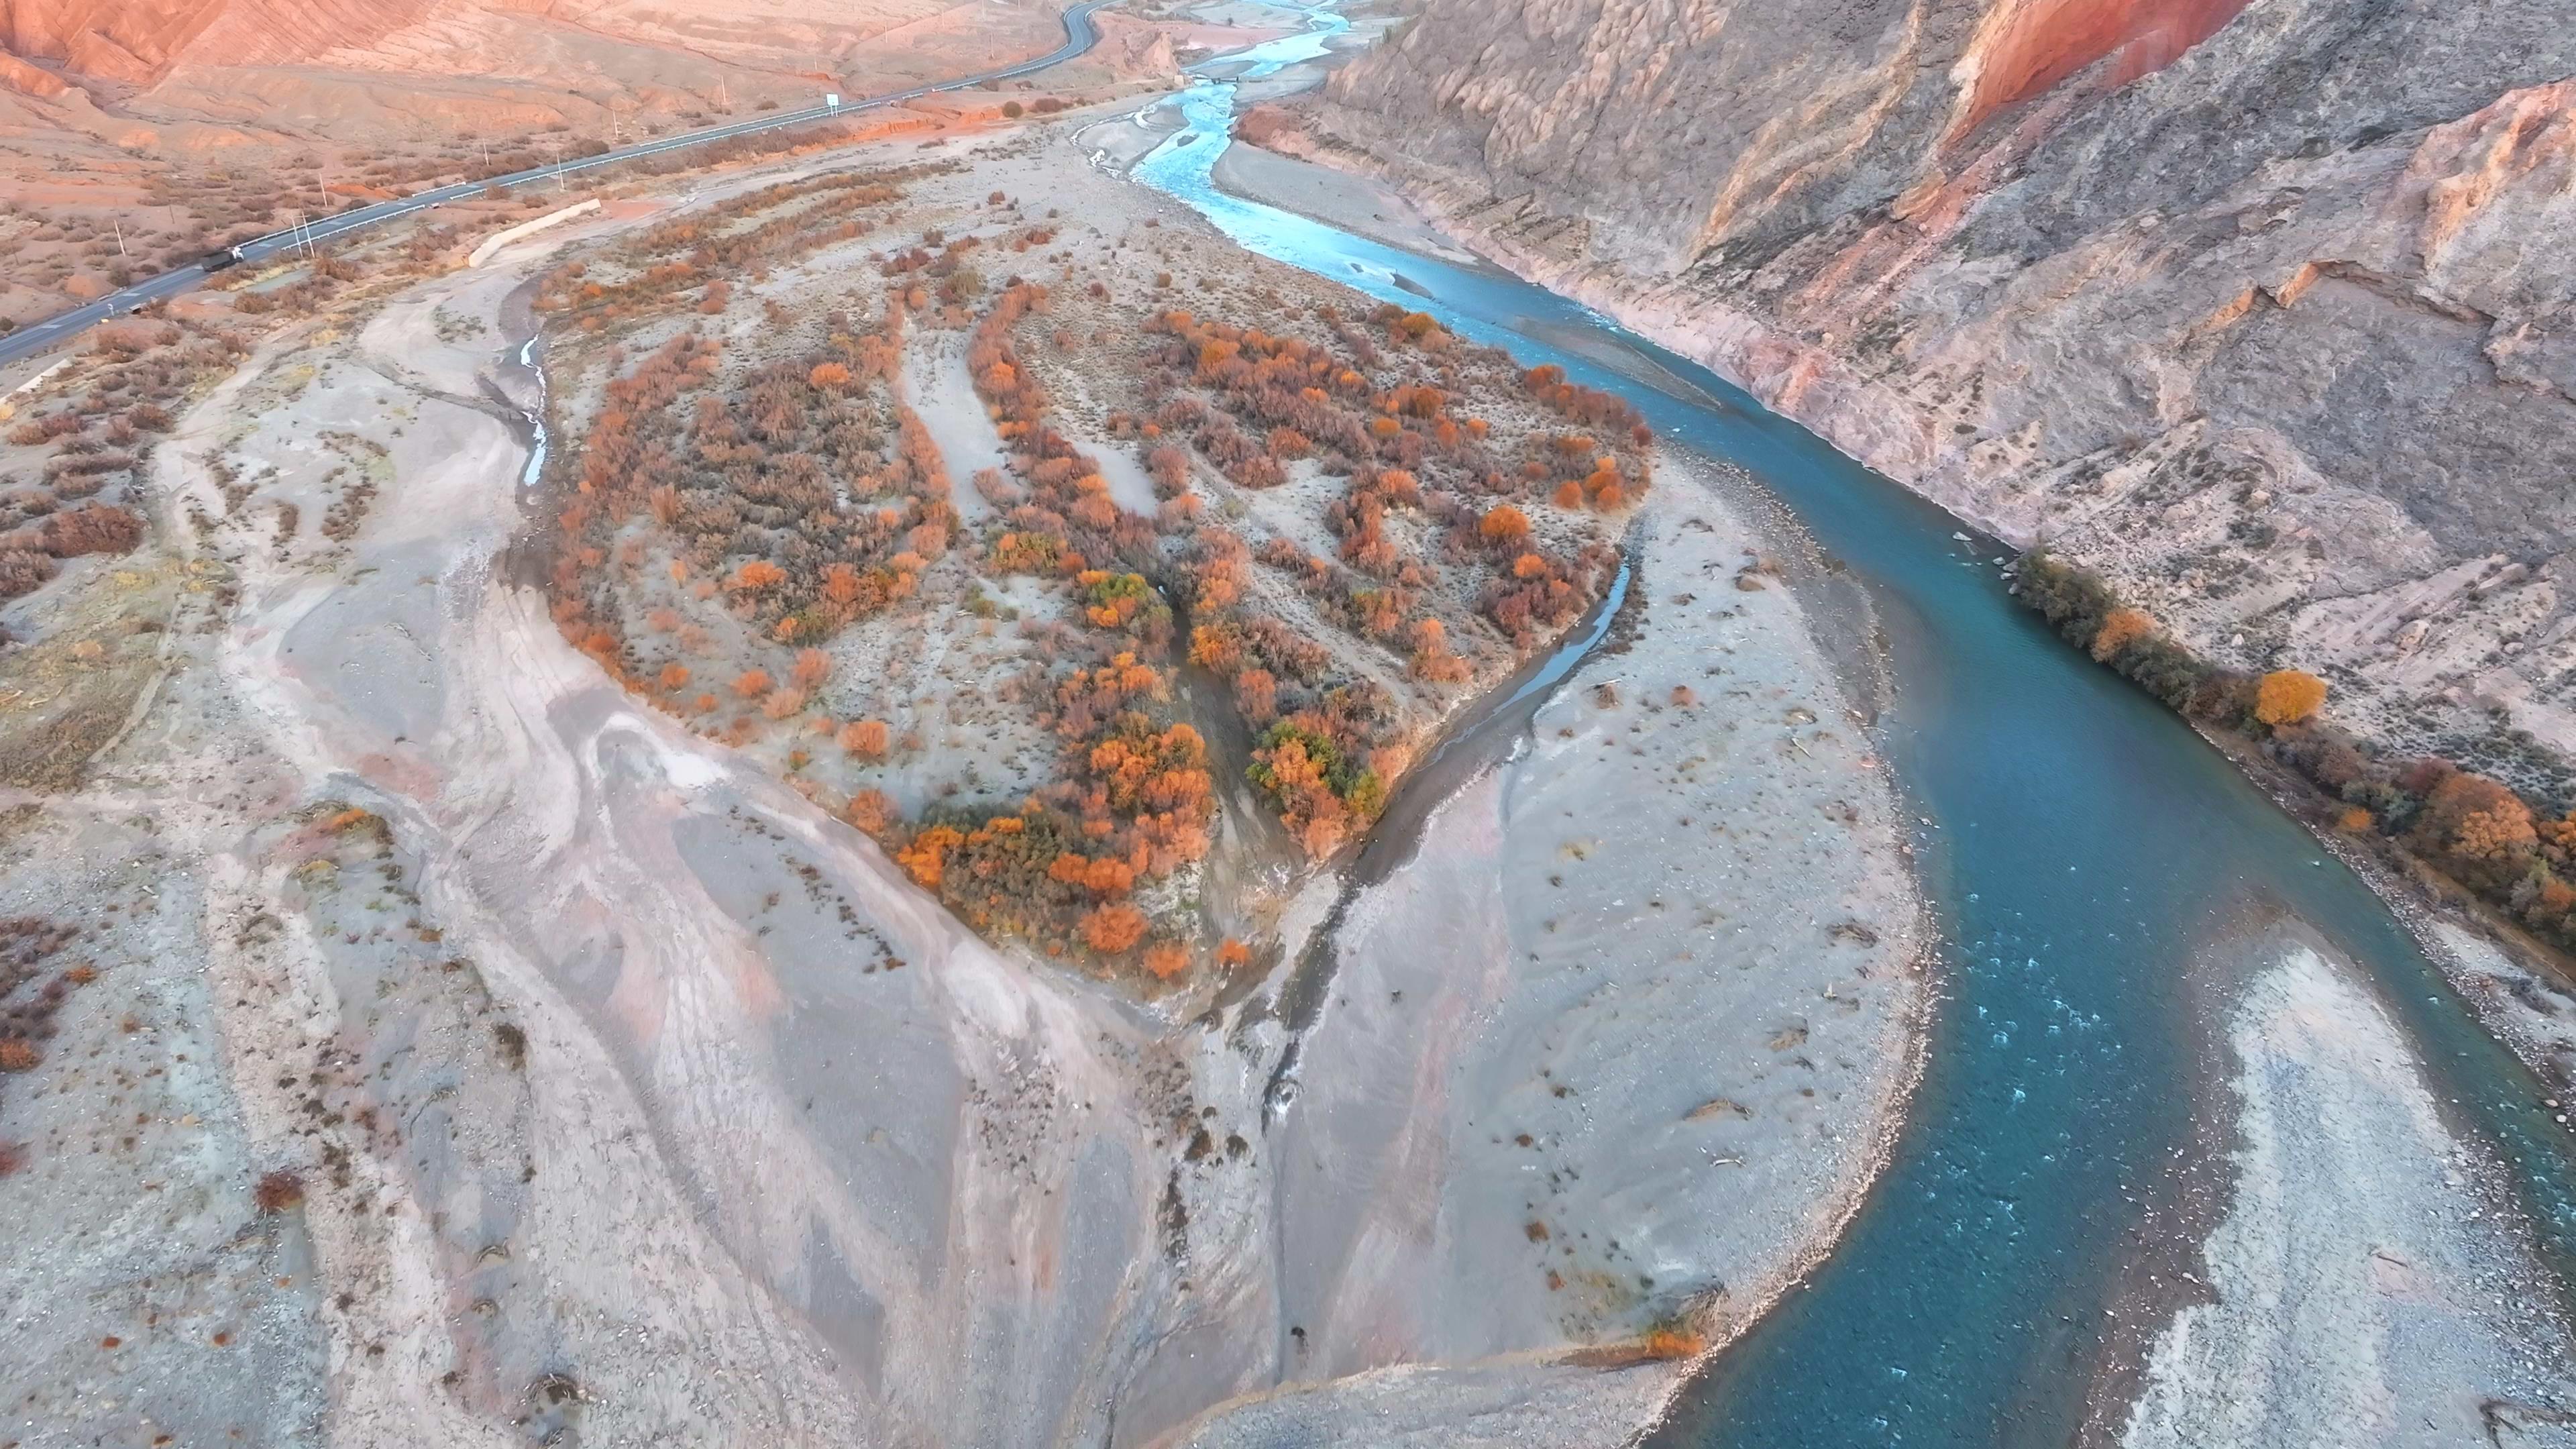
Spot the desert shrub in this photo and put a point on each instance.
(2120, 628)
(1167, 959)
(870, 811)
(23, 571)
(277, 1191)
(92, 528)
(865, 738)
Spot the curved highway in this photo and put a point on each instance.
(1079, 36)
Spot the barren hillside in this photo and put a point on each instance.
(134, 137)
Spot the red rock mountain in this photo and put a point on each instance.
(2024, 48)
(147, 43)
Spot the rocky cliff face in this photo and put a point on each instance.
(2267, 309)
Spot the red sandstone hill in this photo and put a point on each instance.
(134, 133)
(144, 42)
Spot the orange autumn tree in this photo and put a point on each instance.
(1113, 929)
(2120, 628)
(755, 575)
(1167, 959)
(2477, 823)
(1503, 524)
(864, 737)
(2287, 696)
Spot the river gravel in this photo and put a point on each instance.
(2368, 1288)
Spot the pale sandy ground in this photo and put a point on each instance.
(1130, 486)
(140, 1158)
(1119, 142)
(936, 384)
(791, 1158)
(1610, 1039)
(2369, 1290)
(1358, 204)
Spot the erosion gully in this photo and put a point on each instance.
(2079, 845)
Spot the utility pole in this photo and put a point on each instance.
(120, 237)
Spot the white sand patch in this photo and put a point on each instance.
(1130, 486)
(1295, 509)
(2368, 1291)
(934, 373)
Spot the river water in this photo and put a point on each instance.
(2080, 847)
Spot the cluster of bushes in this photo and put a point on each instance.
(946, 273)
(774, 493)
(1134, 806)
(135, 372)
(2515, 856)
(739, 478)
(321, 280)
(1134, 800)
(681, 261)
(1251, 401)
(1323, 793)
(1064, 521)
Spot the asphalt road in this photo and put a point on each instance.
(1079, 35)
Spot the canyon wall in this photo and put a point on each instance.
(2267, 310)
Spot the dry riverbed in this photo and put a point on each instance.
(602, 1084)
(2367, 1285)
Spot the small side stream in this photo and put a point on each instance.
(523, 347)
(2080, 847)
(1490, 729)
